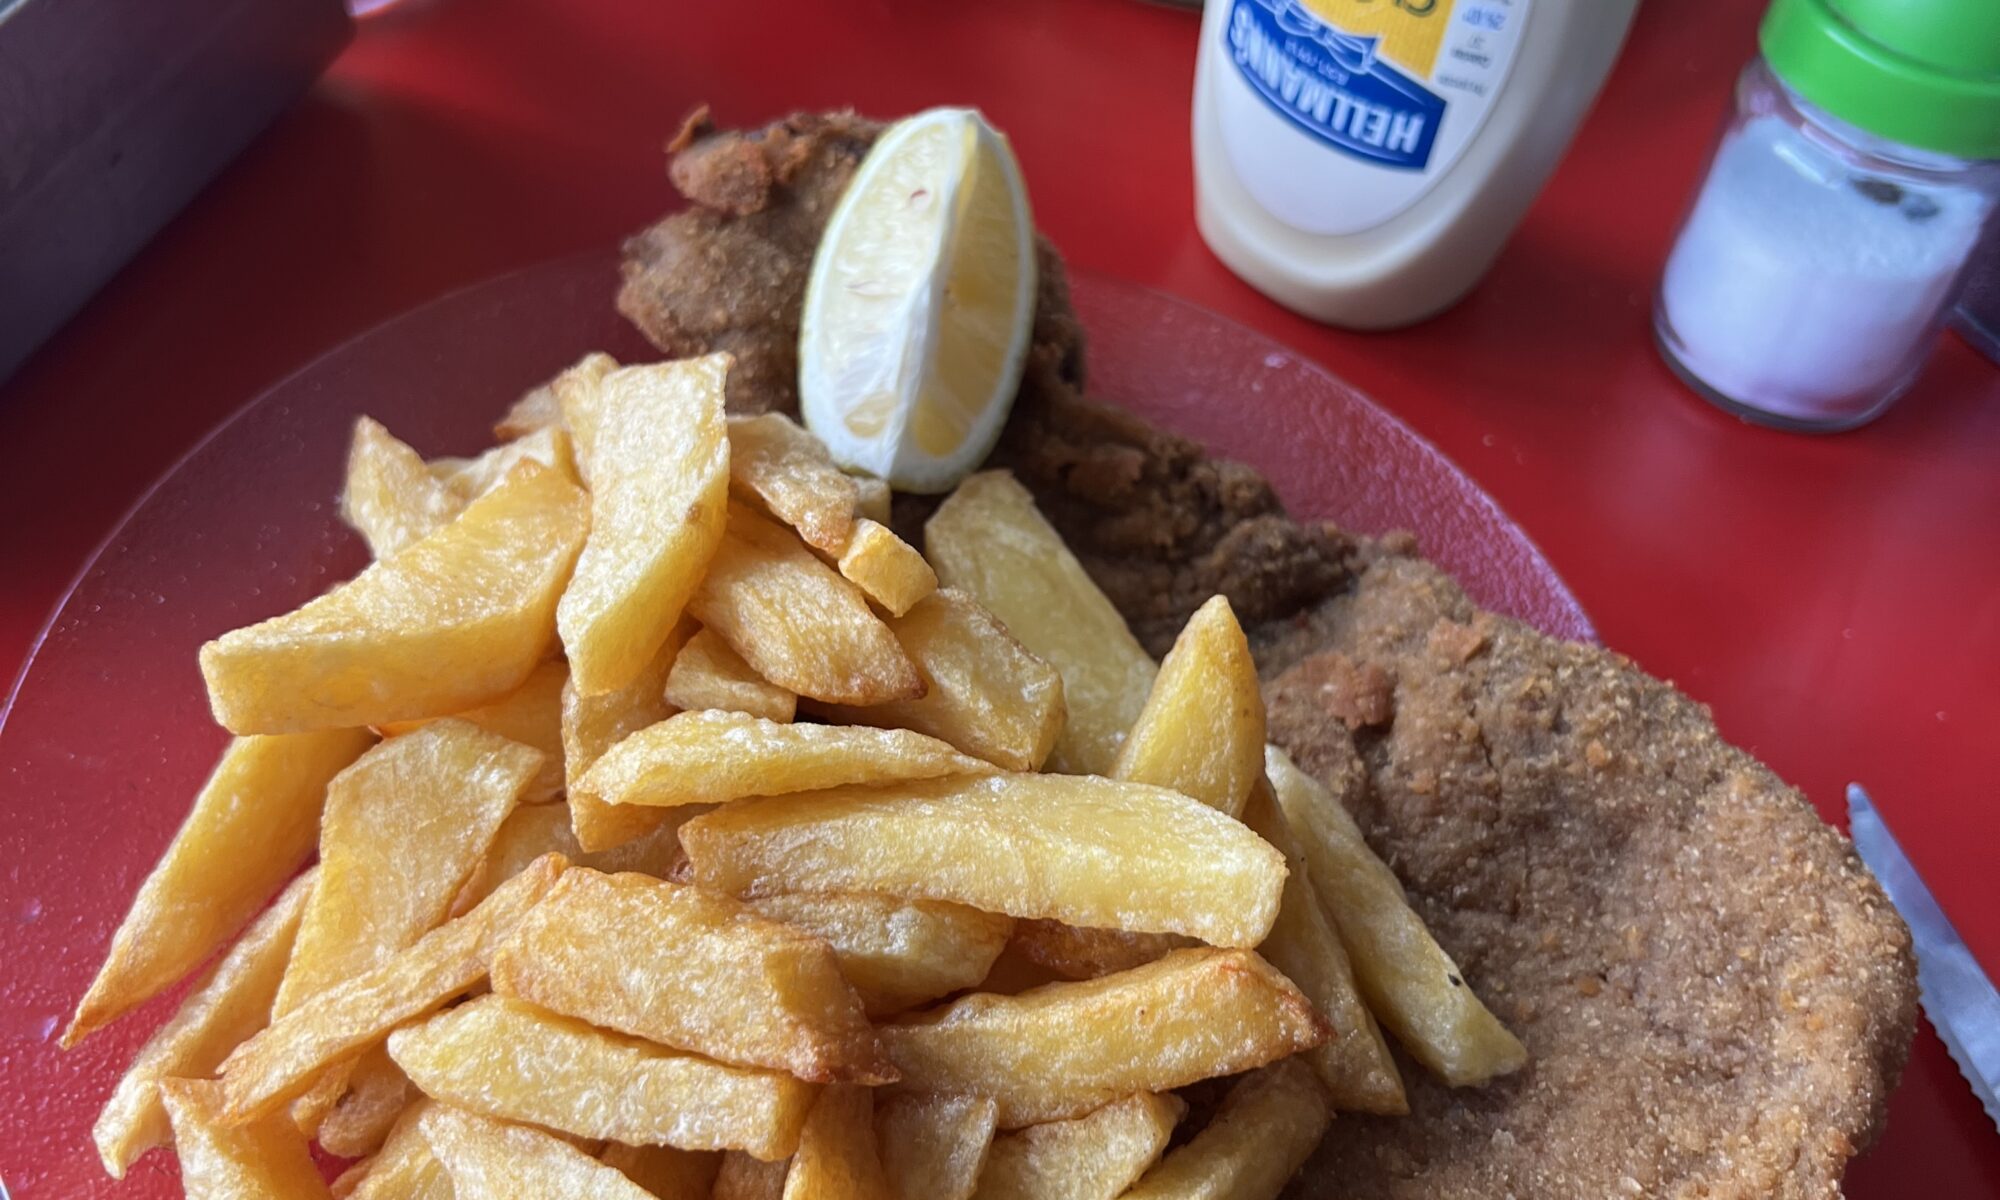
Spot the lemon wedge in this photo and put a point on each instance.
(920, 304)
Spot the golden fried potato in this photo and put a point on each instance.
(340, 1023)
(1202, 730)
(267, 1160)
(378, 1093)
(989, 540)
(788, 472)
(1062, 1050)
(1092, 1157)
(1355, 1065)
(1267, 1127)
(541, 407)
(488, 1160)
(1082, 850)
(456, 620)
(889, 569)
(664, 1171)
(471, 478)
(1075, 953)
(405, 1168)
(232, 1001)
(1410, 983)
(253, 825)
(531, 715)
(593, 724)
(984, 692)
(896, 953)
(391, 498)
(933, 1147)
(708, 674)
(742, 1177)
(796, 621)
(510, 1060)
(530, 832)
(837, 1158)
(653, 445)
(872, 498)
(691, 970)
(714, 757)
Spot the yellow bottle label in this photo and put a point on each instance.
(1411, 30)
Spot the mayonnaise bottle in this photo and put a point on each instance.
(1363, 161)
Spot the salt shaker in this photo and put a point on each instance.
(1828, 240)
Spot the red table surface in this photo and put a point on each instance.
(1836, 601)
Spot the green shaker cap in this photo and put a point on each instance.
(1925, 73)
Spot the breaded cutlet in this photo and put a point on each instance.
(1717, 997)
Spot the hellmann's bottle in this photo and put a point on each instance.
(1362, 161)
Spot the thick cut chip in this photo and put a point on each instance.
(528, 833)
(531, 715)
(796, 621)
(1073, 953)
(1092, 1157)
(691, 970)
(488, 1160)
(837, 1158)
(405, 1168)
(1202, 730)
(873, 497)
(230, 1003)
(471, 478)
(391, 498)
(708, 674)
(887, 568)
(510, 1060)
(1267, 1127)
(715, 757)
(1061, 1050)
(990, 540)
(253, 825)
(1355, 1066)
(933, 1147)
(653, 445)
(593, 724)
(1082, 850)
(896, 953)
(984, 692)
(665, 1172)
(456, 620)
(542, 406)
(267, 1160)
(789, 473)
(742, 1177)
(1408, 980)
(337, 1025)
(378, 1093)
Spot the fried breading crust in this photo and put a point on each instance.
(1716, 994)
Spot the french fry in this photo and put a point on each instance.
(507, 1059)
(232, 1001)
(1082, 850)
(1267, 1127)
(391, 498)
(531, 715)
(742, 1177)
(1076, 953)
(540, 407)
(796, 621)
(220, 1161)
(691, 970)
(593, 724)
(1410, 983)
(471, 478)
(1202, 730)
(664, 1171)
(715, 757)
(708, 674)
(453, 621)
(789, 473)
(896, 953)
(405, 1168)
(933, 1147)
(872, 498)
(378, 1093)
(488, 1160)
(837, 1159)
(654, 447)
(280, 1063)
(890, 570)
(1355, 1066)
(1092, 1157)
(984, 692)
(530, 832)
(252, 827)
(1063, 1050)
(988, 539)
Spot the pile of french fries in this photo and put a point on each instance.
(678, 830)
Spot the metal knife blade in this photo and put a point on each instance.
(1956, 994)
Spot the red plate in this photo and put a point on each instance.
(107, 733)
